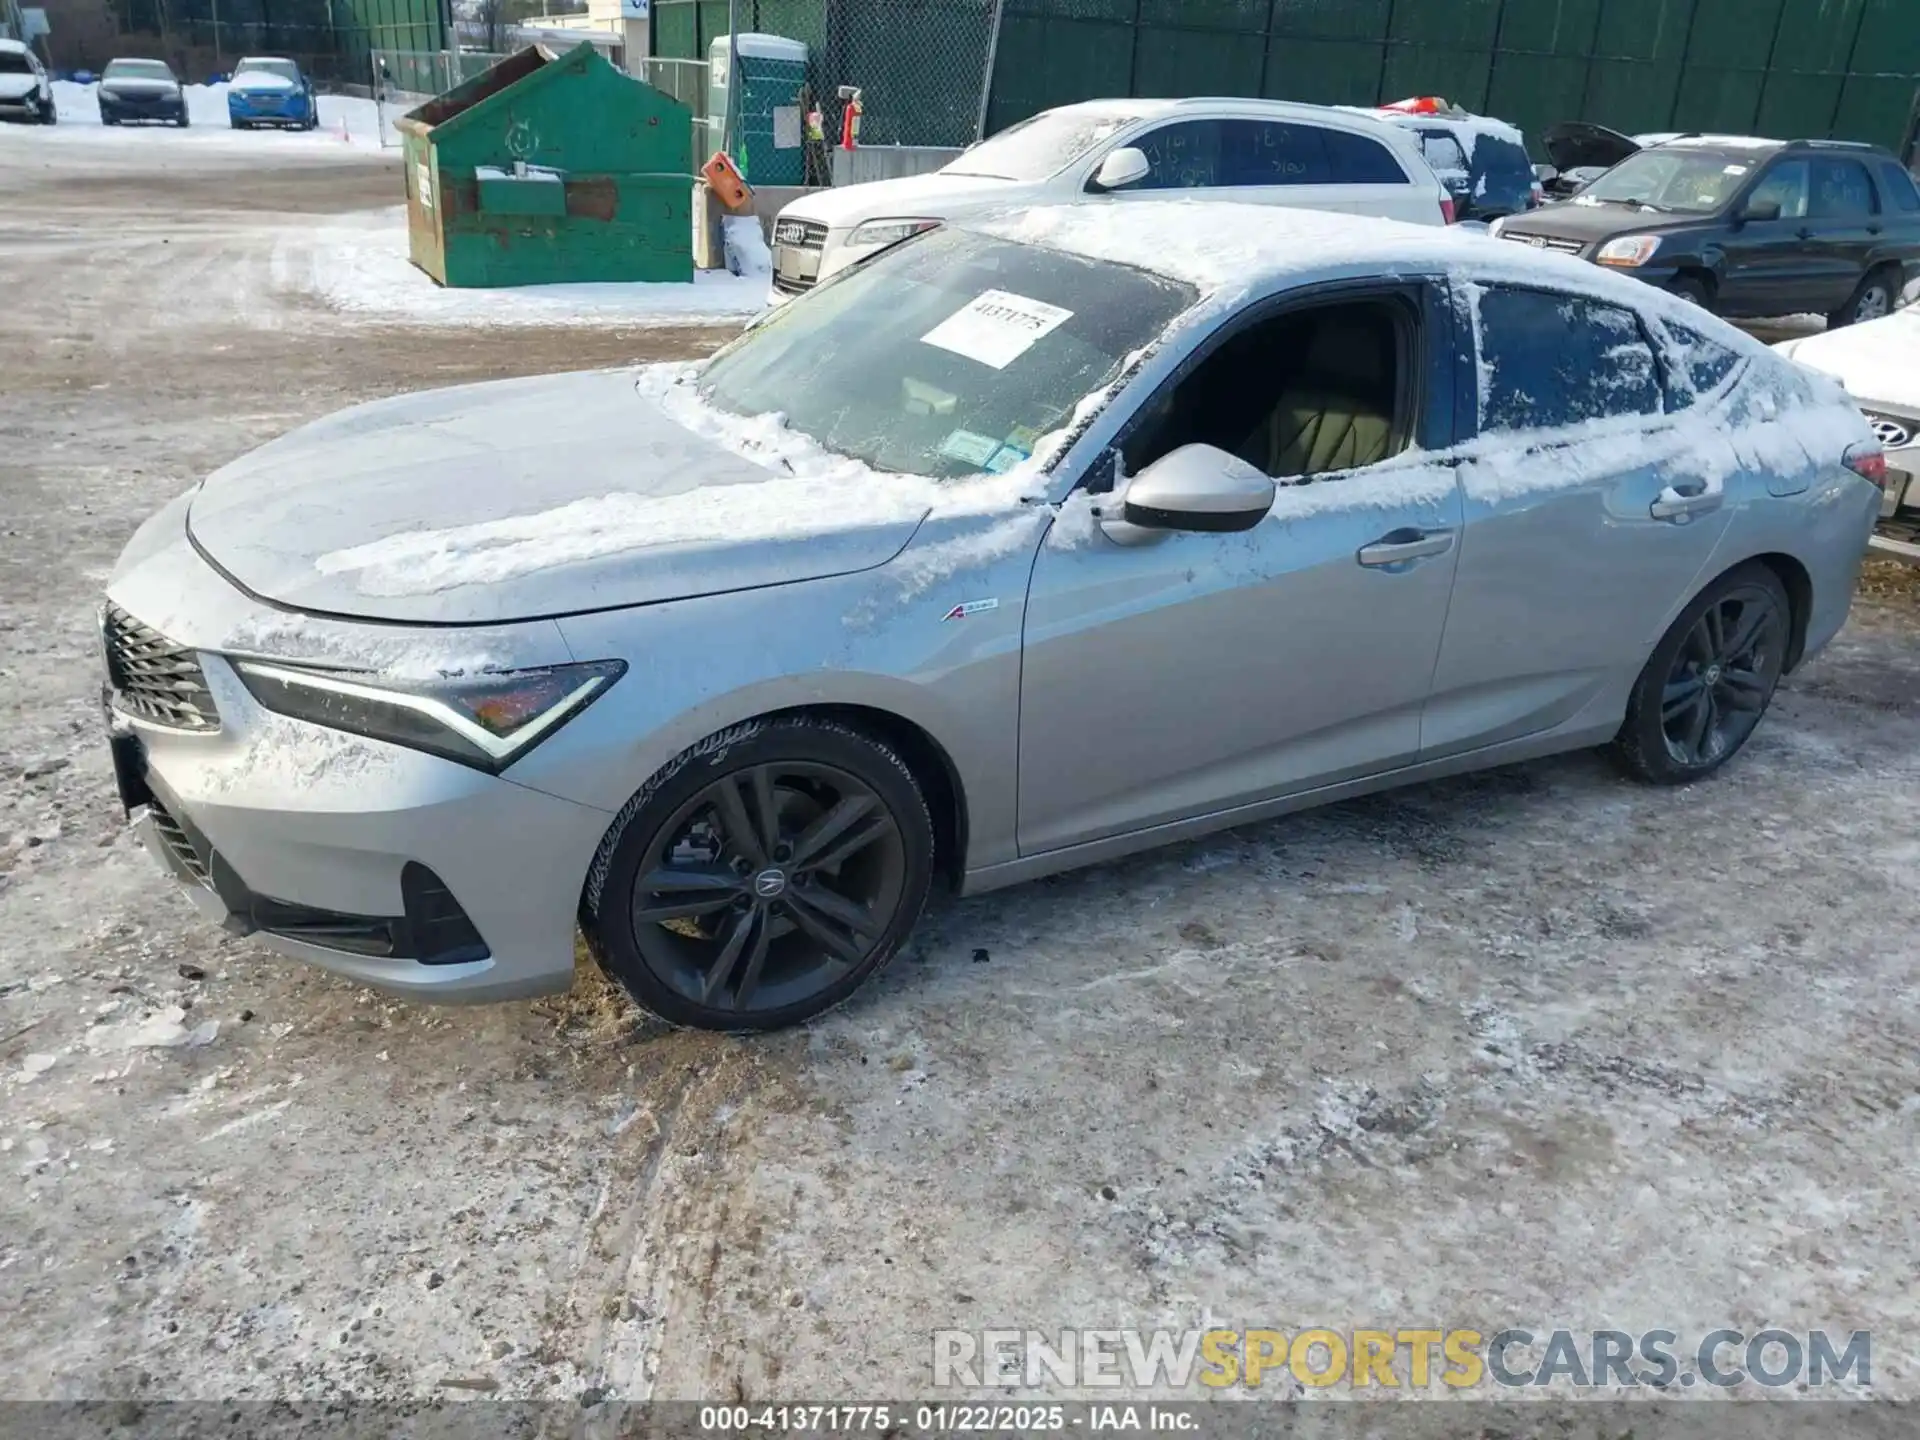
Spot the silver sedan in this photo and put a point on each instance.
(1024, 545)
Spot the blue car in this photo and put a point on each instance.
(266, 90)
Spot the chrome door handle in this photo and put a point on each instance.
(1403, 546)
(1678, 505)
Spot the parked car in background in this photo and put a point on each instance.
(1188, 521)
(268, 90)
(1879, 363)
(1483, 162)
(141, 90)
(1747, 227)
(26, 91)
(1126, 152)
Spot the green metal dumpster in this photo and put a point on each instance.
(548, 169)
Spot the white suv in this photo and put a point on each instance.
(1127, 152)
(25, 91)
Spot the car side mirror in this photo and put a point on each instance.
(1198, 487)
(1125, 166)
(1762, 210)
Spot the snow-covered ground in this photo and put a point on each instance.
(79, 105)
(358, 265)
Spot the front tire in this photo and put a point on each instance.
(1691, 289)
(762, 877)
(1709, 680)
(1873, 300)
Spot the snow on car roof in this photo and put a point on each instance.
(1469, 127)
(1222, 246)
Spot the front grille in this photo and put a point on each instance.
(1547, 242)
(174, 836)
(154, 678)
(1891, 433)
(793, 284)
(800, 234)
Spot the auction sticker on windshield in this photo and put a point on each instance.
(997, 327)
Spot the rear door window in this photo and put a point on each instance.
(1841, 190)
(1265, 152)
(1549, 360)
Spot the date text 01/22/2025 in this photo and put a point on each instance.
(944, 1419)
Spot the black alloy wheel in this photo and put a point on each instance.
(763, 885)
(1710, 679)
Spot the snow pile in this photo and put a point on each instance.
(746, 247)
(359, 265)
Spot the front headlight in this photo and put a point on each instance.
(878, 234)
(1629, 251)
(486, 721)
(1497, 226)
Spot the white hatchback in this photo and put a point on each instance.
(1306, 157)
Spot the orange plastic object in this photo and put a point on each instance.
(727, 181)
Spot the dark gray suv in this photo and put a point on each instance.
(1747, 227)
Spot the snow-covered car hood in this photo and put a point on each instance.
(13, 86)
(1877, 361)
(525, 498)
(936, 196)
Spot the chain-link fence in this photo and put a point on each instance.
(685, 81)
(921, 66)
(403, 80)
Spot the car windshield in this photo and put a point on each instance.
(137, 70)
(1042, 146)
(948, 356)
(1692, 182)
(12, 62)
(285, 69)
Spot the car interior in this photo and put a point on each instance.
(1306, 393)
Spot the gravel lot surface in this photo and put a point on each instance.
(1539, 1047)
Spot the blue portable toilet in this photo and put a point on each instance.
(772, 69)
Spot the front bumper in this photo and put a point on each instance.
(269, 109)
(143, 109)
(22, 105)
(390, 866)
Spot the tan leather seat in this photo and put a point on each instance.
(1337, 413)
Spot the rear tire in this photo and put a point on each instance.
(762, 876)
(1875, 299)
(1709, 680)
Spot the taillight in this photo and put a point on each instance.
(1447, 212)
(1869, 462)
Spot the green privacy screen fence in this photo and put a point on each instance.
(1790, 68)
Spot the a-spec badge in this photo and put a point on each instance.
(971, 607)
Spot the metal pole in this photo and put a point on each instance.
(986, 80)
(733, 72)
(217, 62)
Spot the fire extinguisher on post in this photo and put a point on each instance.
(850, 117)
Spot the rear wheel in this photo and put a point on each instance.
(1709, 681)
(1873, 300)
(762, 877)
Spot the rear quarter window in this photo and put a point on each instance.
(1701, 365)
(1356, 160)
(1896, 186)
